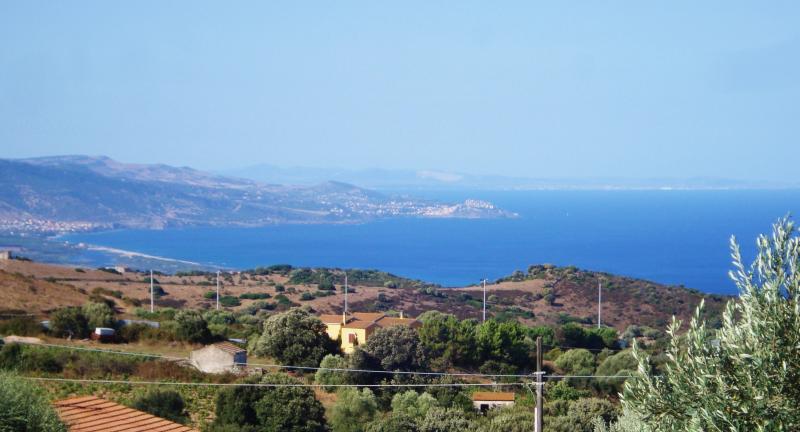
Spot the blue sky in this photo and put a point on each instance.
(556, 89)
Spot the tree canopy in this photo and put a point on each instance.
(744, 376)
(295, 338)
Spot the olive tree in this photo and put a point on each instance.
(744, 376)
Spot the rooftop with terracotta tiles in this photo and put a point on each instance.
(92, 414)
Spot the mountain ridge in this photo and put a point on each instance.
(97, 192)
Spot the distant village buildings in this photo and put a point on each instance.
(219, 358)
(484, 401)
(356, 328)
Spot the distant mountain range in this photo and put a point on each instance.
(387, 179)
(64, 193)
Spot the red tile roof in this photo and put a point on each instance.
(229, 348)
(493, 396)
(92, 414)
(331, 318)
(357, 324)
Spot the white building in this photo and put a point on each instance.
(484, 401)
(219, 358)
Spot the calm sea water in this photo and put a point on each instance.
(673, 237)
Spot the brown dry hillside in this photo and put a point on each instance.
(22, 293)
(544, 295)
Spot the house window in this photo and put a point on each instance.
(352, 338)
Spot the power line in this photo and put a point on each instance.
(351, 370)
(202, 384)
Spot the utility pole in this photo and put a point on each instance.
(152, 294)
(599, 301)
(537, 426)
(217, 289)
(484, 300)
(345, 294)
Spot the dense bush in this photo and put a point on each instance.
(396, 348)
(191, 327)
(326, 285)
(290, 409)
(20, 326)
(69, 322)
(413, 404)
(581, 415)
(229, 301)
(25, 408)
(509, 419)
(503, 342)
(254, 296)
(332, 378)
(98, 315)
(295, 338)
(448, 341)
(166, 404)
(576, 362)
(445, 420)
(354, 408)
(621, 363)
(24, 358)
(393, 423)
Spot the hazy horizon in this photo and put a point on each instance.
(635, 91)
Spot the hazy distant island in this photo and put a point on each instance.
(83, 193)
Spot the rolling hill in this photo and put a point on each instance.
(97, 192)
(543, 295)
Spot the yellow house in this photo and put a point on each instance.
(356, 328)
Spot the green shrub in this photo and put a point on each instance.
(254, 296)
(20, 326)
(295, 338)
(98, 315)
(306, 296)
(229, 301)
(326, 285)
(25, 408)
(353, 409)
(166, 404)
(69, 322)
(332, 377)
(192, 327)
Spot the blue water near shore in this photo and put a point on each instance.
(672, 237)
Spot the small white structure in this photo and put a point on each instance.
(103, 334)
(5, 255)
(484, 401)
(219, 358)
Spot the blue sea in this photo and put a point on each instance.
(667, 236)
